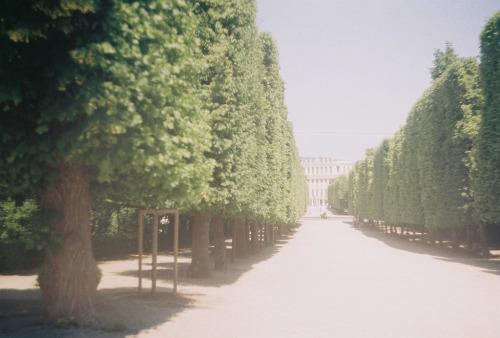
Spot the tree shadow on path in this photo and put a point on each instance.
(122, 310)
(461, 256)
(236, 269)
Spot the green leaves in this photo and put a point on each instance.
(487, 179)
(427, 174)
(159, 103)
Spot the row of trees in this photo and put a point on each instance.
(149, 104)
(442, 169)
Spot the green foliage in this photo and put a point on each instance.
(446, 112)
(392, 203)
(380, 182)
(442, 60)
(115, 93)
(338, 193)
(25, 233)
(487, 183)
(423, 175)
(243, 96)
(165, 102)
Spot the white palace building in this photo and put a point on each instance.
(319, 172)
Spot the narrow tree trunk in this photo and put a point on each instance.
(240, 238)
(70, 277)
(431, 237)
(93, 225)
(234, 230)
(484, 240)
(118, 223)
(263, 235)
(247, 235)
(220, 243)
(255, 237)
(470, 236)
(200, 261)
(454, 238)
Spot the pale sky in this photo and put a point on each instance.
(354, 68)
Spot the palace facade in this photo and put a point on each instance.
(319, 171)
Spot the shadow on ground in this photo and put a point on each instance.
(462, 256)
(118, 310)
(123, 311)
(165, 271)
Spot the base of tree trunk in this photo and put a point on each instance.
(240, 238)
(220, 256)
(200, 261)
(432, 238)
(70, 277)
(484, 241)
(454, 238)
(255, 245)
(470, 235)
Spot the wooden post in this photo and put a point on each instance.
(140, 237)
(154, 249)
(154, 252)
(176, 248)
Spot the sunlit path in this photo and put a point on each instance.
(333, 280)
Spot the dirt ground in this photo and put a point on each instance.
(326, 279)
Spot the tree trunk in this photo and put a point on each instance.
(200, 261)
(261, 235)
(454, 238)
(240, 238)
(233, 240)
(432, 240)
(70, 277)
(470, 237)
(118, 223)
(247, 235)
(484, 240)
(220, 243)
(255, 237)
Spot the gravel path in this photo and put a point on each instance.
(327, 280)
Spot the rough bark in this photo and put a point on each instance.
(200, 261)
(219, 243)
(70, 277)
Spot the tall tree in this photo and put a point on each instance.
(97, 95)
(230, 88)
(442, 60)
(380, 180)
(410, 191)
(447, 111)
(487, 185)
